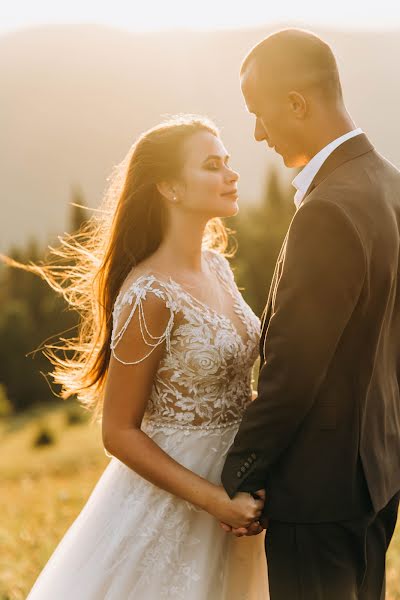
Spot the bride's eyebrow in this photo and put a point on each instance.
(217, 157)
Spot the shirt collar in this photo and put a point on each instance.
(303, 180)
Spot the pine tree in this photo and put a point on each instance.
(260, 231)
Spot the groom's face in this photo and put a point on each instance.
(275, 123)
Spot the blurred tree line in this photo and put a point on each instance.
(259, 232)
(32, 313)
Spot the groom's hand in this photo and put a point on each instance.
(255, 528)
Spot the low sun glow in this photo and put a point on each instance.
(208, 14)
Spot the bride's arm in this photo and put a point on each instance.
(128, 389)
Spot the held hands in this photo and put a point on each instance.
(255, 527)
(240, 513)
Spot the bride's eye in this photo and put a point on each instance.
(213, 166)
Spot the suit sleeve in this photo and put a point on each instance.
(322, 277)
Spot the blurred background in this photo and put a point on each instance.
(79, 82)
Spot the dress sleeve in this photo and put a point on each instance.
(143, 319)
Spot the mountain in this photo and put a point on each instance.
(74, 98)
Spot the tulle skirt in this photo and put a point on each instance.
(135, 541)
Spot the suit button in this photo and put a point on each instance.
(239, 474)
(253, 455)
(243, 469)
(250, 459)
(246, 464)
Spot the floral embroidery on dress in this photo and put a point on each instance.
(204, 376)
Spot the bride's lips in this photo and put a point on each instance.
(233, 194)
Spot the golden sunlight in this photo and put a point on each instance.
(158, 15)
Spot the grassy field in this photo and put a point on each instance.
(43, 489)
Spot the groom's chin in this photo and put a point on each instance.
(288, 161)
(291, 162)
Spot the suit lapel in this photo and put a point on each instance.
(275, 278)
(352, 148)
(273, 281)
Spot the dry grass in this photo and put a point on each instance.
(393, 567)
(42, 490)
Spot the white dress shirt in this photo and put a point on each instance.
(303, 180)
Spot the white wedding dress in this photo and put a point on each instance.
(133, 540)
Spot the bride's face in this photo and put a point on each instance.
(208, 185)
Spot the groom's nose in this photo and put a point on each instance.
(259, 132)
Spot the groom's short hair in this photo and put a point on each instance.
(296, 58)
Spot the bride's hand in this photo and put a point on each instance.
(239, 512)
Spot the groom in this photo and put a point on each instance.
(323, 436)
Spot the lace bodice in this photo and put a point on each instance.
(204, 376)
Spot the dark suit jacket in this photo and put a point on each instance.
(323, 436)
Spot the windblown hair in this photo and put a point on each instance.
(299, 58)
(89, 267)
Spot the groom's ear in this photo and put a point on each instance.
(298, 104)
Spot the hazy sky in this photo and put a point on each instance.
(203, 14)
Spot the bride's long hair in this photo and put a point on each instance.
(89, 267)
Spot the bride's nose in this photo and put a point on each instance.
(232, 176)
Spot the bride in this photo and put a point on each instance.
(164, 355)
